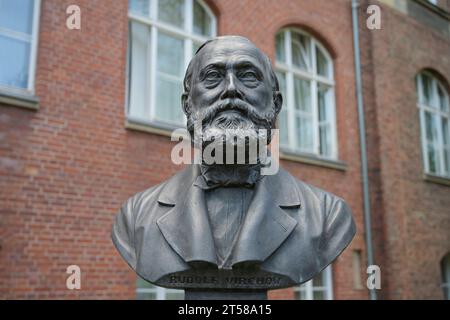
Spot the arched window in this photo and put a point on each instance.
(433, 104)
(305, 72)
(163, 37)
(445, 269)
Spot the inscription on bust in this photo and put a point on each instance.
(225, 279)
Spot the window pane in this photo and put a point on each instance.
(145, 290)
(443, 103)
(174, 295)
(170, 55)
(445, 271)
(300, 51)
(170, 69)
(426, 90)
(283, 114)
(139, 86)
(171, 11)
(168, 105)
(145, 295)
(433, 159)
(143, 284)
(17, 15)
(139, 7)
(14, 62)
(280, 48)
(299, 294)
(446, 143)
(447, 161)
(322, 63)
(318, 280)
(302, 94)
(284, 131)
(282, 82)
(325, 140)
(430, 126)
(315, 289)
(445, 132)
(202, 21)
(318, 295)
(304, 130)
(323, 93)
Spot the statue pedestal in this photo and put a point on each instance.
(224, 294)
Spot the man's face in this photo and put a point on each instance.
(231, 88)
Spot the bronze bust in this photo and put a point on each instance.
(226, 226)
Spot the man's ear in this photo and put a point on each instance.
(277, 101)
(185, 104)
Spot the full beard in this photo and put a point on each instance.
(230, 123)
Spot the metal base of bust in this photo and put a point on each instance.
(226, 294)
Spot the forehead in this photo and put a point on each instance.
(230, 52)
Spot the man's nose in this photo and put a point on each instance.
(231, 91)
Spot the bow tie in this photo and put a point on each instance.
(217, 176)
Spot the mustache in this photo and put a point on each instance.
(216, 112)
(208, 114)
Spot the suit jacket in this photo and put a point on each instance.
(291, 228)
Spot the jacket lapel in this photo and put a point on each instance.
(266, 225)
(186, 226)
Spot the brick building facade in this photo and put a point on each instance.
(70, 155)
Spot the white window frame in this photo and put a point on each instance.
(290, 70)
(435, 111)
(308, 287)
(33, 39)
(160, 292)
(186, 33)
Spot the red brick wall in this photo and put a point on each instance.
(411, 215)
(67, 168)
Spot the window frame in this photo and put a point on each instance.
(315, 79)
(155, 26)
(160, 292)
(436, 112)
(308, 287)
(33, 40)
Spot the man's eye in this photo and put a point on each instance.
(213, 75)
(250, 76)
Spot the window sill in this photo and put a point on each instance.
(313, 160)
(149, 127)
(436, 179)
(19, 99)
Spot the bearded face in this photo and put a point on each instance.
(232, 95)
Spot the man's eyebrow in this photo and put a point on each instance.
(238, 65)
(215, 65)
(248, 64)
